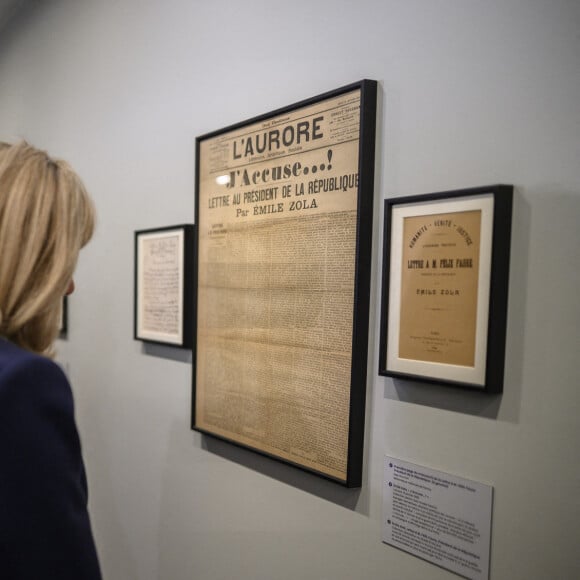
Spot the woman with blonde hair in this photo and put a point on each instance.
(46, 217)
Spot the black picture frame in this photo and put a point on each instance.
(63, 323)
(434, 320)
(171, 307)
(345, 120)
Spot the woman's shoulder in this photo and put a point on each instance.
(23, 367)
(13, 355)
(10, 352)
(34, 391)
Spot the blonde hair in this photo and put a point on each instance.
(46, 217)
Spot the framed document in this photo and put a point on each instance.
(445, 287)
(163, 278)
(284, 207)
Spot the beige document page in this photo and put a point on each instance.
(439, 285)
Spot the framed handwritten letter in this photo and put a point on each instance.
(163, 278)
(284, 207)
(445, 287)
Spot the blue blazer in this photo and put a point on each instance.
(45, 530)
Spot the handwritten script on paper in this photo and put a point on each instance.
(160, 278)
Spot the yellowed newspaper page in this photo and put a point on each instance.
(277, 241)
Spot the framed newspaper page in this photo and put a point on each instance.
(163, 280)
(445, 287)
(284, 207)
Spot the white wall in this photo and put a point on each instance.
(472, 93)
